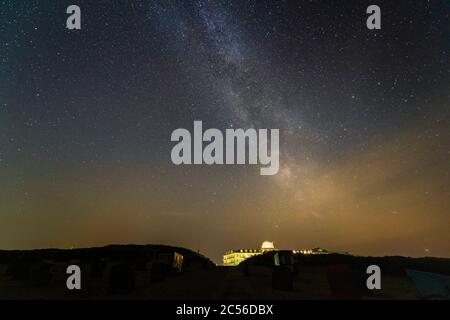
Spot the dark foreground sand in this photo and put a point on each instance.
(209, 283)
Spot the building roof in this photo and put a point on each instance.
(267, 245)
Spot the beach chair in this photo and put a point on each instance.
(341, 283)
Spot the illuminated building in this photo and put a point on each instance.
(234, 257)
(312, 251)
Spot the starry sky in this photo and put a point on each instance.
(86, 118)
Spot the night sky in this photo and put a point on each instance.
(86, 118)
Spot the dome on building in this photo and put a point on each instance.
(267, 245)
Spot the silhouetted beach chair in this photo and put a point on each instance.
(121, 278)
(282, 274)
(98, 266)
(282, 278)
(40, 274)
(158, 272)
(341, 283)
(18, 270)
